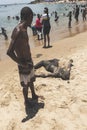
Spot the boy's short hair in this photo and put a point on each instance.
(25, 13)
(46, 10)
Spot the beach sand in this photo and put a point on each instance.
(64, 106)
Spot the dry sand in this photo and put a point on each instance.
(65, 103)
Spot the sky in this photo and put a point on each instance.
(14, 1)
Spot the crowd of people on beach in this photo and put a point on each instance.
(42, 26)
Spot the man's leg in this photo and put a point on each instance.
(39, 64)
(42, 63)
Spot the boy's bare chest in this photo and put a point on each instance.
(24, 35)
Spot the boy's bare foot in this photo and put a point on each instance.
(42, 97)
(26, 103)
(35, 97)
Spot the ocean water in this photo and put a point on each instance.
(59, 30)
(14, 10)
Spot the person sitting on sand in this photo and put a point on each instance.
(53, 67)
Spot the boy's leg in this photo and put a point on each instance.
(25, 93)
(34, 96)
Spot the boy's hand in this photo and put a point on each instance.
(28, 65)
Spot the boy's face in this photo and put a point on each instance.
(29, 21)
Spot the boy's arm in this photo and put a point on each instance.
(11, 50)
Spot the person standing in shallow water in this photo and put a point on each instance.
(46, 27)
(4, 33)
(38, 26)
(84, 14)
(19, 51)
(70, 19)
(77, 13)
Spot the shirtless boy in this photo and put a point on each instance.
(19, 51)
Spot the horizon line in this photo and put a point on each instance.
(15, 3)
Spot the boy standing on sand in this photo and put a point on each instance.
(19, 51)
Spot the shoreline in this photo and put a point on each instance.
(57, 33)
(55, 36)
(63, 46)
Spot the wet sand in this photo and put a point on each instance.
(55, 35)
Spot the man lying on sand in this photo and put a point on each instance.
(53, 67)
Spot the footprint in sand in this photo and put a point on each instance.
(41, 86)
(5, 101)
(57, 126)
(11, 125)
(83, 109)
(38, 55)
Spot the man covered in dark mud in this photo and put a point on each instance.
(53, 67)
